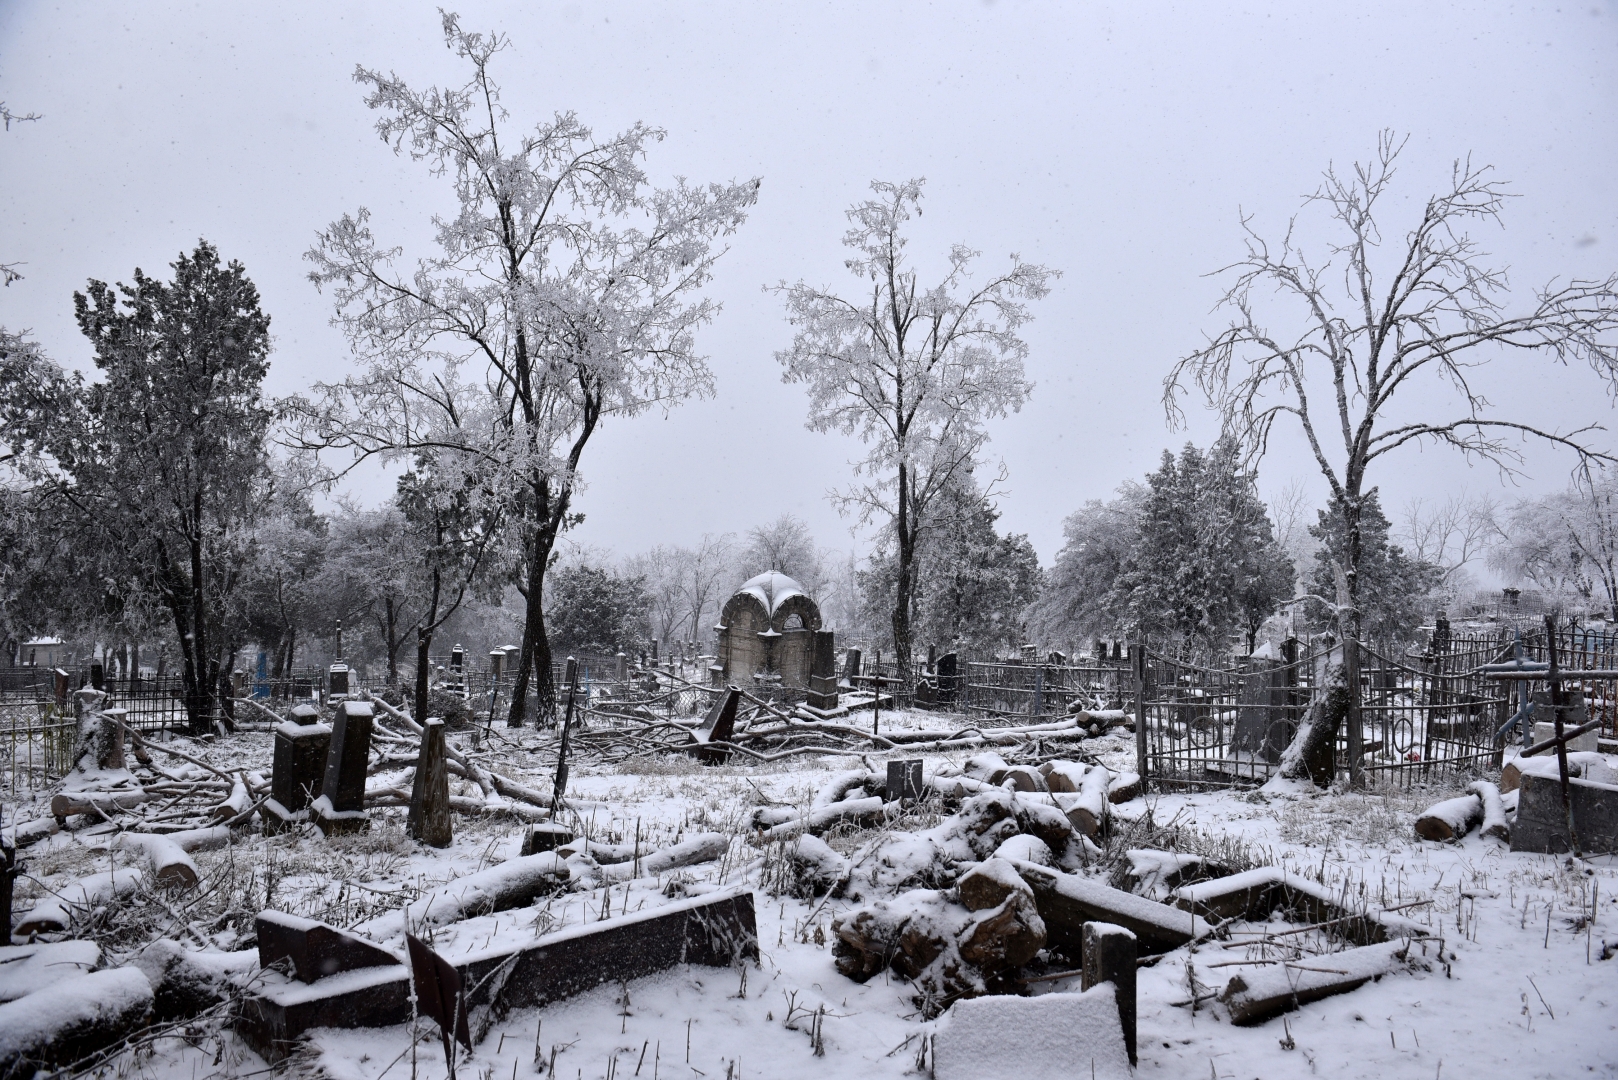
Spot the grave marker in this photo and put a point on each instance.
(429, 820)
(341, 805)
(299, 771)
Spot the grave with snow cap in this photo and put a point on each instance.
(766, 633)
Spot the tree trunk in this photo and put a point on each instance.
(391, 636)
(1352, 627)
(424, 645)
(904, 586)
(535, 662)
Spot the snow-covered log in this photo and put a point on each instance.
(185, 983)
(86, 894)
(27, 969)
(1272, 989)
(1450, 819)
(70, 1019)
(1494, 811)
(25, 833)
(823, 818)
(1124, 787)
(699, 849)
(67, 803)
(1088, 807)
(1068, 901)
(171, 866)
(1064, 777)
(514, 883)
(235, 805)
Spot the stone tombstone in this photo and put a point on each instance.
(546, 836)
(851, 668)
(298, 773)
(497, 660)
(341, 805)
(1101, 651)
(949, 679)
(306, 712)
(1263, 724)
(654, 652)
(904, 780)
(312, 949)
(337, 681)
(823, 672)
(1109, 956)
(428, 820)
(1056, 658)
(1541, 823)
(457, 659)
(110, 751)
(98, 675)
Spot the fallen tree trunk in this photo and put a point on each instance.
(1066, 902)
(171, 866)
(699, 849)
(233, 806)
(514, 883)
(819, 820)
(65, 804)
(1451, 819)
(71, 1019)
(1494, 810)
(1277, 988)
(185, 983)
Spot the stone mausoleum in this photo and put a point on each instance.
(766, 633)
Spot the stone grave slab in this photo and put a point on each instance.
(298, 772)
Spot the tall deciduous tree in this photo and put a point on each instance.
(169, 461)
(1360, 355)
(565, 293)
(1394, 584)
(913, 371)
(1566, 544)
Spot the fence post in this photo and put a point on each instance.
(1356, 733)
(1138, 669)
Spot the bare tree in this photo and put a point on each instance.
(1451, 533)
(912, 371)
(563, 296)
(1337, 352)
(1566, 543)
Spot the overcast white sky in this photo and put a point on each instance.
(1114, 141)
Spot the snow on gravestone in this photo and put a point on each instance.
(341, 805)
(1048, 1037)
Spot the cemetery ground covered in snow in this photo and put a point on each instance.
(1503, 957)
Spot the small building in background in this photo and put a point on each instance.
(45, 652)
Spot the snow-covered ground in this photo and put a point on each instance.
(1524, 992)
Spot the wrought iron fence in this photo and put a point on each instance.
(1036, 693)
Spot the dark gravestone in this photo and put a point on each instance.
(546, 836)
(851, 668)
(98, 675)
(1263, 728)
(713, 931)
(314, 949)
(717, 727)
(299, 772)
(904, 780)
(949, 680)
(337, 681)
(1109, 956)
(1541, 824)
(306, 713)
(341, 805)
(823, 671)
(428, 820)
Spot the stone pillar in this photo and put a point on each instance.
(341, 805)
(1109, 956)
(306, 713)
(904, 780)
(110, 744)
(949, 680)
(428, 820)
(337, 681)
(298, 774)
(823, 671)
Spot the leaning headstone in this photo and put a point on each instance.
(428, 820)
(341, 805)
(904, 780)
(1109, 957)
(717, 727)
(299, 771)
